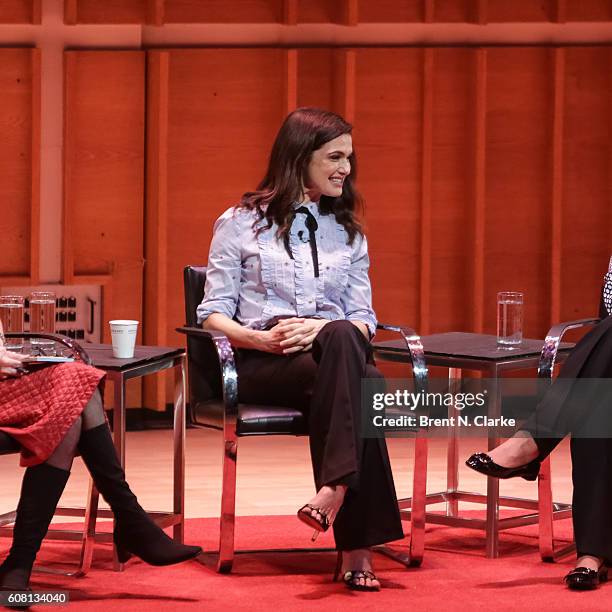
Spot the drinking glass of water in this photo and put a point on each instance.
(509, 319)
(11, 316)
(42, 318)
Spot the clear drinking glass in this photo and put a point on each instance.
(42, 317)
(509, 319)
(11, 316)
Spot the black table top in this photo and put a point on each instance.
(468, 345)
(102, 355)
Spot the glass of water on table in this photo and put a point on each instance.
(42, 319)
(509, 319)
(11, 317)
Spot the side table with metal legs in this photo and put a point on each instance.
(147, 360)
(462, 351)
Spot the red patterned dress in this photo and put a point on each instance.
(38, 409)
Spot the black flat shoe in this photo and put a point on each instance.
(585, 579)
(481, 462)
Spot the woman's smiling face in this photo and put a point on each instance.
(328, 167)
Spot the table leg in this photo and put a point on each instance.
(119, 417)
(492, 526)
(179, 449)
(452, 453)
(119, 437)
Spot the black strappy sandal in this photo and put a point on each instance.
(318, 525)
(351, 578)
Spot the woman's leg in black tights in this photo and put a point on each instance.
(92, 416)
(41, 489)
(135, 532)
(64, 453)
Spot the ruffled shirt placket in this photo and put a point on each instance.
(306, 285)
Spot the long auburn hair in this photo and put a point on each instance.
(304, 131)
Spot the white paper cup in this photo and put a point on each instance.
(123, 333)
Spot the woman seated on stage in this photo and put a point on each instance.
(287, 282)
(585, 411)
(53, 413)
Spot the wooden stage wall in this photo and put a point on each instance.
(484, 169)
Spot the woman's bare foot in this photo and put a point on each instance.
(516, 451)
(359, 560)
(589, 562)
(327, 502)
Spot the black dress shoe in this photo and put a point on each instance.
(585, 579)
(481, 462)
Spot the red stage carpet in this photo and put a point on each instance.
(454, 576)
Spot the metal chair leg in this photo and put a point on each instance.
(228, 506)
(546, 508)
(545, 521)
(419, 499)
(179, 433)
(417, 505)
(8, 518)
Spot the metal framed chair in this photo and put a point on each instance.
(9, 445)
(213, 403)
(548, 510)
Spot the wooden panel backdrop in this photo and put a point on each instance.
(348, 12)
(109, 11)
(586, 175)
(20, 163)
(212, 11)
(103, 238)
(483, 170)
(20, 11)
(220, 125)
(517, 178)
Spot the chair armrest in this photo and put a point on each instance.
(74, 346)
(229, 375)
(548, 356)
(415, 350)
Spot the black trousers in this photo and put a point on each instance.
(326, 384)
(582, 411)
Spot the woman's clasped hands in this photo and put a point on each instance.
(292, 335)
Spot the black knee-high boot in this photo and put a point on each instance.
(135, 532)
(41, 490)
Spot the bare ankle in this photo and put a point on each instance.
(516, 451)
(589, 561)
(526, 439)
(357, 559)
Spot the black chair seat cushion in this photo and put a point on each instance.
(254, 419)
(7, 444)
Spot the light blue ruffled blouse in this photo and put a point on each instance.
(252, 279)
